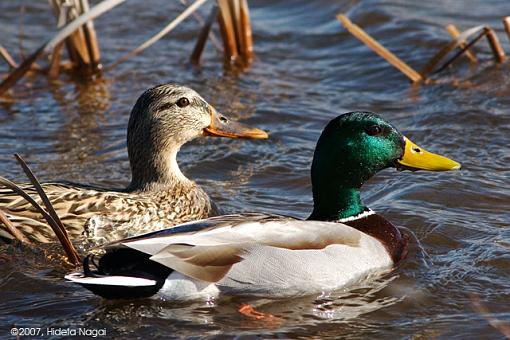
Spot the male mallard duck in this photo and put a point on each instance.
(341, 243)
(163, 119)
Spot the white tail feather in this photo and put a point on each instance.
(124, 281)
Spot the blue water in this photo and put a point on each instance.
(307, 70)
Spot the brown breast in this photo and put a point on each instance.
(377, 226)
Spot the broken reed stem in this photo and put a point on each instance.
(506, 23)
(235, 13)
(247, 36)
(14, 187)
(196, 15)
(187, 12)
(90, 37)
(77, 40)
(12, 229)
(500, 325)
(59, 229)
(379, 49)
(202, 37)
(7, 57)
(227, 31)
(459, 53)
(431, 65)
(499, 53)
(454, 32)
(56, 57)
(25, 66)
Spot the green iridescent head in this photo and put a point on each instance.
(354, 147)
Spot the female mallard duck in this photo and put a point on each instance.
(341, 243)
(163, 119)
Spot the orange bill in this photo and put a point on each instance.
(221, 126)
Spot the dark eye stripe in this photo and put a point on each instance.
(165, 106)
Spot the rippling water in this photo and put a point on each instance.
(307, 71)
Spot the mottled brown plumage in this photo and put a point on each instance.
(163, 119)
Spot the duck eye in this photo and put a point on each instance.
(182, 102)
(374, 130)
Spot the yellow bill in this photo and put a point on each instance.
(417, 158)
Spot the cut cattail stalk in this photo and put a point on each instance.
(7, 57)
(77, 41)
(59, 229)
(202, 21)
(247, 38)
(439, 56)
(25, 66)
(12, 229)
(82, 44)
(227, 31)
(55, 60)
(454, 32)
(506, 23)
(500, 325)
(69, 250)
(90, 37)
(379, 49)
(458, 54)
(181, 17)
(202, 37)
(498, 52)
(235, 13)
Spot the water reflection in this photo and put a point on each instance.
(81, 135)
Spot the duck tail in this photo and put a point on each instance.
(121, 274)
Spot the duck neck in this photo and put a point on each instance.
(158, 171)
(335, 201)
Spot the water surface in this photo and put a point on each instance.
(308, 70)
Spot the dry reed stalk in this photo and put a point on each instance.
(202, 37)
(202, 22)
(501, 326)
(70, 250)
(90, 36)
(181, 17)
(459, 53)
(7, 57)
(235, 12)
(492, 38)
(226, 22)
(25, 66)
(12, 229)
(506, 23)
(77, 44)
(56, 57)
(77, 39)
(431, 65)
(247, 36)
(60, 230)
(400, 65)
(454, 32)
(62, 10)
(81, 45)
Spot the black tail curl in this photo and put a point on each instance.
(124, 262)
